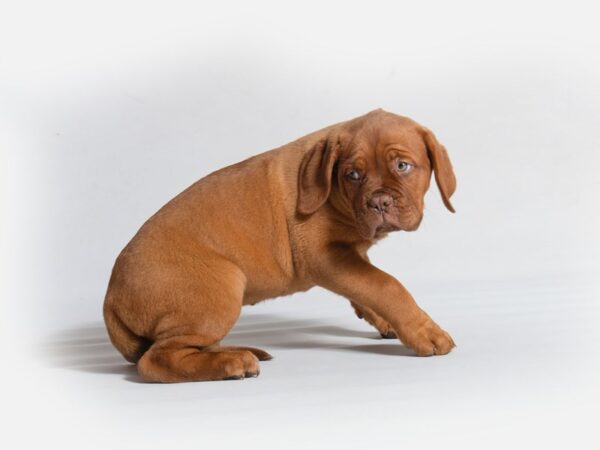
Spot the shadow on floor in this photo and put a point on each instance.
(88, 349)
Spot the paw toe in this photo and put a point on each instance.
(390, 334)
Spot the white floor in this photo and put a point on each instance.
(525, 372)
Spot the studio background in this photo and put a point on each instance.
(108, 111)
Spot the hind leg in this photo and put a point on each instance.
(180, 359)
(202, 307)
(260, 354)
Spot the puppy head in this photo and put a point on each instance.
(375, 170)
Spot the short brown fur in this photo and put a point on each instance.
(278, 223)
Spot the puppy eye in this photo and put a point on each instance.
(353, 175)
(403, 166)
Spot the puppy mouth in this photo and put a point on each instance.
(377, 220)
(386, 227)
(377, 225)
(382, 224)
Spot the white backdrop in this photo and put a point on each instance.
(109, 110)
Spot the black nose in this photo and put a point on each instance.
(380, 202)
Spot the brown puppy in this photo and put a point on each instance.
(302, 215)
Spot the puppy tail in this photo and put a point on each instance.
(131, 346)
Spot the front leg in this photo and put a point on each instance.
(384, 328)
(348, 274)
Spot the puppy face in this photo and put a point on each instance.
(375, 171)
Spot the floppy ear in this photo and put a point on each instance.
(314, 177)
(442, 167)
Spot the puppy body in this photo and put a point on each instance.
(278, 223)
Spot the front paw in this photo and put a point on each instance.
(427, 339)
(385, 329)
